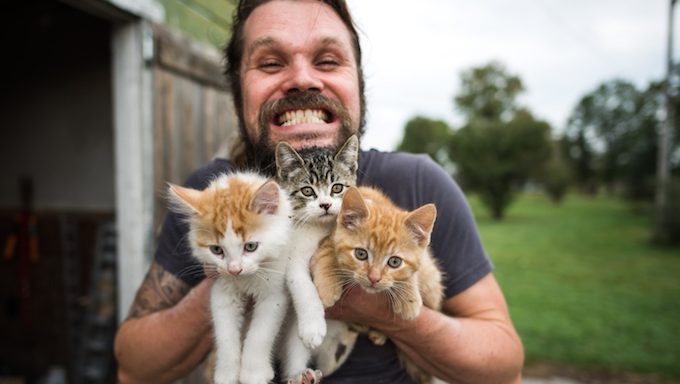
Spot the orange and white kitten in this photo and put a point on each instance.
(237, 228)
(381, 248)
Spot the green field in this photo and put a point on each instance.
(585, 287)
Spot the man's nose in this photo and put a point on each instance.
(303, 77)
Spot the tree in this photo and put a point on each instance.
(495, 158)
(425, 135)
(601, 130)
(502, 144)
(556, 175)
(611, 137)
(582, 160)
(488, 92)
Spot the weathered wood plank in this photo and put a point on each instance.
(158, 149)
(179, 54)
(209, 96)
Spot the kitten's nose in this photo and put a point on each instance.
(325, 206)
(235, 270)
(374, 277)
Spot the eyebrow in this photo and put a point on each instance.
(261, 42)
(269, 41)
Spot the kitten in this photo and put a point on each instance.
(381, 248)
(316, 179)
(237, 227)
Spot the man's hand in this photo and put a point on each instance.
(370, 309)
(473, 341)
(169, 330)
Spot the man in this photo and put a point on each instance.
(304, 56)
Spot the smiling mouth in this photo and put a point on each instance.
(303, 116)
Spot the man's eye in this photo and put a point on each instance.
(269, 66)
(328, 64)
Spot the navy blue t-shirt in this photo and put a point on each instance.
(410, 181)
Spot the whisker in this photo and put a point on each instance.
(193, 270)
(262, 276)
(271, 270)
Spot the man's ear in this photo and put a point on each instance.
(353, 210)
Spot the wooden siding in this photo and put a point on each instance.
(193, 112)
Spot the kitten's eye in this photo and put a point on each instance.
(394, 261)
(360, 253)
(216, 250)
(337, 188)
(307, 191)
(250, 246)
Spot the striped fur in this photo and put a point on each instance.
(384, 250)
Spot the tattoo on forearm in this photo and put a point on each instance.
(159, 290)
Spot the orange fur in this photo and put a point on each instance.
(218, 204)
(369, 220)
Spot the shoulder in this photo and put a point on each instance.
(406, 177)
(202, 176)
(374, 161)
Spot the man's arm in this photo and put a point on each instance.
(168, 332)
(473, 341)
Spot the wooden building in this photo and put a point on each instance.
(100, 106)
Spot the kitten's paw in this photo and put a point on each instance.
(307, 377)
(376, 337)
(225, 378)
(312, 332)
(259, 375)
(408, 312)
(330, 294)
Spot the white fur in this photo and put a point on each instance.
(263, 279)
(309, 312)
(326, 355)
(313, 214)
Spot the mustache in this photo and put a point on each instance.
(260, 150)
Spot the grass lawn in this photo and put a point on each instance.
(585, 286)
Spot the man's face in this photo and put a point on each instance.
(299, 77)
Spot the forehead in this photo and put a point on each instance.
(295, 24)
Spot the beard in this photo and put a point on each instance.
(260, 151)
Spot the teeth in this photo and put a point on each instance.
(307, 116)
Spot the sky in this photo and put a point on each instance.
(414, 52)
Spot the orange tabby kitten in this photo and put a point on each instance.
(381, 248)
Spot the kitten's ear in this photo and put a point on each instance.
(420, 223)
(287, 159)
(353, 209)
(266, 199)
(184, 200)
(349, 153)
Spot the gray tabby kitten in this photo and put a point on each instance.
(316, 180)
